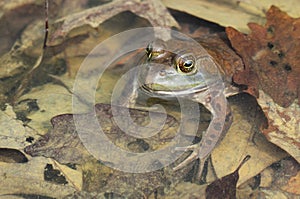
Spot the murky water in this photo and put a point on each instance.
(37, 85)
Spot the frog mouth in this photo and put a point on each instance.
(154, 89)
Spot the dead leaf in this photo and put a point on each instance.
(52, 100)
(239, 141)
(284, 180)
(232, 12)
(271, 61)
(270, 56)
(221, 12)
(226, 186)
(283, 124)
(293, 185)
(266, 177)
(154, 11)
(12, 156)
(187, 190)
(63, 144)
(28, 178)
(13, 135)
(14, 16)
(63, 174)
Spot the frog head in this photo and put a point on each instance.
(178, 66)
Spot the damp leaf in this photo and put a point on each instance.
(64, 145)
(244, 138)
(28, 178)
(12, 156)
(61, 143)
(13, 134)
(272, 72)
(154, 11)
(233, 13)
(271, 57)
(293, 184)
(283, 124)
(226, 186)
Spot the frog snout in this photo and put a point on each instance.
(158, 74)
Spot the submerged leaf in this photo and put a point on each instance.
(13, 134)
(244, 138)
(272, 71)
(12, 156)
(293, 184)
(226, 186)
(63, 144)
(28, 179)
(233, 13)
(54, 175)
(154, 11)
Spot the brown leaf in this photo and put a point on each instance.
(271, 56)
(15, 18)
(63, 144)
(243, 138)
(12, 156)
(225, 12)
(226, 186)
(153, 11)
(27, 179)
(13, 134)
(272, 71)
(293, 184)
(283, 124)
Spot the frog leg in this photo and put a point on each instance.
(195, 148)
(217, 104)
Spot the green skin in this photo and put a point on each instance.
(181, 68)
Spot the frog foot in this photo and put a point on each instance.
(195, 148)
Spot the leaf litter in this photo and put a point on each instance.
(272, 72)
(62, 143)
(93, 169)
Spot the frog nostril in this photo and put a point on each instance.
(162, 73)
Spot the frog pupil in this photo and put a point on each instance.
(188, 63)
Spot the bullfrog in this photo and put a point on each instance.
(182, 67)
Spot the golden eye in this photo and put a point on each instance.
(155, 50)
(185, 64)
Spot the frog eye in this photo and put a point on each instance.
(149, 50)
(154, 50)
(186, 64)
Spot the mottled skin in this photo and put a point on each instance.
(182, 68)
